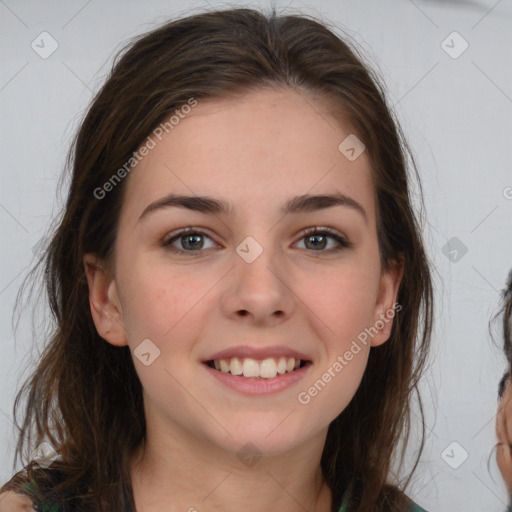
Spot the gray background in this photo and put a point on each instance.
(456, 113)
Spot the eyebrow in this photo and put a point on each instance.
(298, 204)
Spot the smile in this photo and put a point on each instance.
(258, 377)
(248, 367)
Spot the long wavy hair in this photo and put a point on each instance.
(84, 396)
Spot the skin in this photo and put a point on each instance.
(13, 502)
(504, 436)
(256, 152)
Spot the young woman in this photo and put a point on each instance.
(242, 298)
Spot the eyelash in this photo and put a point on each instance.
(342, 241)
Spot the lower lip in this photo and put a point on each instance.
(252, 386)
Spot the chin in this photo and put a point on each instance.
(265, 437)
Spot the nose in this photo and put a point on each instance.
(259, 290)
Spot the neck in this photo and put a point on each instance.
(180, 472)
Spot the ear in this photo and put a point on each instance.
(106, 308)
(386, 305)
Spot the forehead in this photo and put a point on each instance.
(259, 148)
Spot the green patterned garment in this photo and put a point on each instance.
(415, 508)
(29, 488)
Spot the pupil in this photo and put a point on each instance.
(188, 237)
(317, 236)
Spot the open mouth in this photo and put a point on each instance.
(257, 369)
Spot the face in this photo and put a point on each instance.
(249, 282)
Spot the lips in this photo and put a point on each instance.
(257, 363)
(253, 377)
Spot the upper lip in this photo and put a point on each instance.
(257, 353)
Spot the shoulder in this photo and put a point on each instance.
(51, 489)
(11, 501)
(29, 492)
(414, 508)
(15, 495)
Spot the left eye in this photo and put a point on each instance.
(319, 238)
(192, 241)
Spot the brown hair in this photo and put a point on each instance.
(85, 397)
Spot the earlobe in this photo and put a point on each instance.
(386, 306)
(104, 301)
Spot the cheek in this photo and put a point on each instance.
(157, 302)
(334, 385)
(163, 307)
(345, 307)
(345, 304)
(503, 453)
(504, 461)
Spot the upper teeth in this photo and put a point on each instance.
(267, 369)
